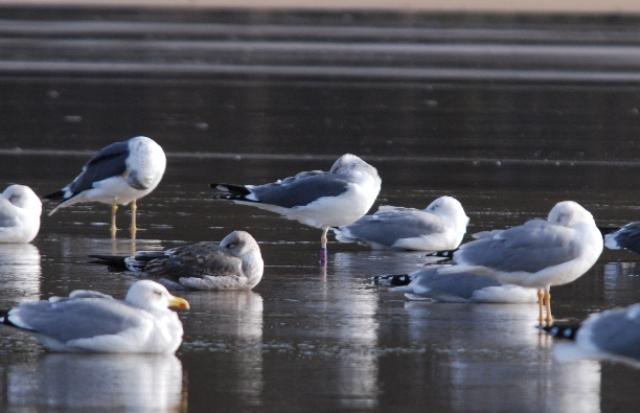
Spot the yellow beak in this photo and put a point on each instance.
(178, 303)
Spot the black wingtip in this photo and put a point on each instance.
(392, 280)
(54, 195)
(4, 317)
(110, 260)
(229, 191)
(443, 254)
(608, 230)
(563, 331)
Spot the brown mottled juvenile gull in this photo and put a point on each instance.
(235, 264)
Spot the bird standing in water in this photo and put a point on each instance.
(320, 199)
(119, 174)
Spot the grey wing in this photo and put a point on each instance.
(388, 227)
(76, 318)
(194, 260)
(617, 331)
(81, 294)
(431, 283)
(628, 236)
(300, 190)
(109, 161)
(531, 247)
(7, 213)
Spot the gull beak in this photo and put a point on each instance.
(178, 303)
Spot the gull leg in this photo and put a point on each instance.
(540, 292)
(323, 248)
(114, 209)
(134, 210)
(547, 302)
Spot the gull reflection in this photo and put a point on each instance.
(73, 382)
(239, 325)
(621, 280)
(489, 350)
(357, 327)
(21, 271)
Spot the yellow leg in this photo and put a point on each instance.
(134, 210)
(547, 302)
(114, 209)
(540, 306)
(323, 248)
(323, 238)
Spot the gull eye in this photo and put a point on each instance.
(232, 245)
(158, 293)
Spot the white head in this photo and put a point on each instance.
(239, 244)
(151, 296)
(569, 214)
(23, 197)
(448, 206)
(242, 245)
(354, 168)
(147, 161)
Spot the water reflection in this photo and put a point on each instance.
(72, 382)
(621, 282)
(20, 271)
(234, 321)
(487, 350)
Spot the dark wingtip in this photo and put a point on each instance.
(4, 318)
(229, 191)
(443, 254)
(392, 280)
(110, 260)
(54, 195)
(608, 230)
(567, 332)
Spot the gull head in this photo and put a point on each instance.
(569, 214)
(450, 207)
(151, 296)
(354, 168)
(239, 244)
(23, 197)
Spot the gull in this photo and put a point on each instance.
(90, 321)
(20, 210)
(320, 199)
(538, 254)
(235, 264)
(118, 174)
(627, 237)
(456, 284)
(613, 334)
(439, 227)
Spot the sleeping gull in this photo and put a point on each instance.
(89, 321)
(627, 237)
(319, 199)
(538, 254)
(119, 173)
(441, 226)
(611, 334)
(20, 210)
(456, 284)
(235, 264)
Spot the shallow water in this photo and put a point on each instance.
(308, 339)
